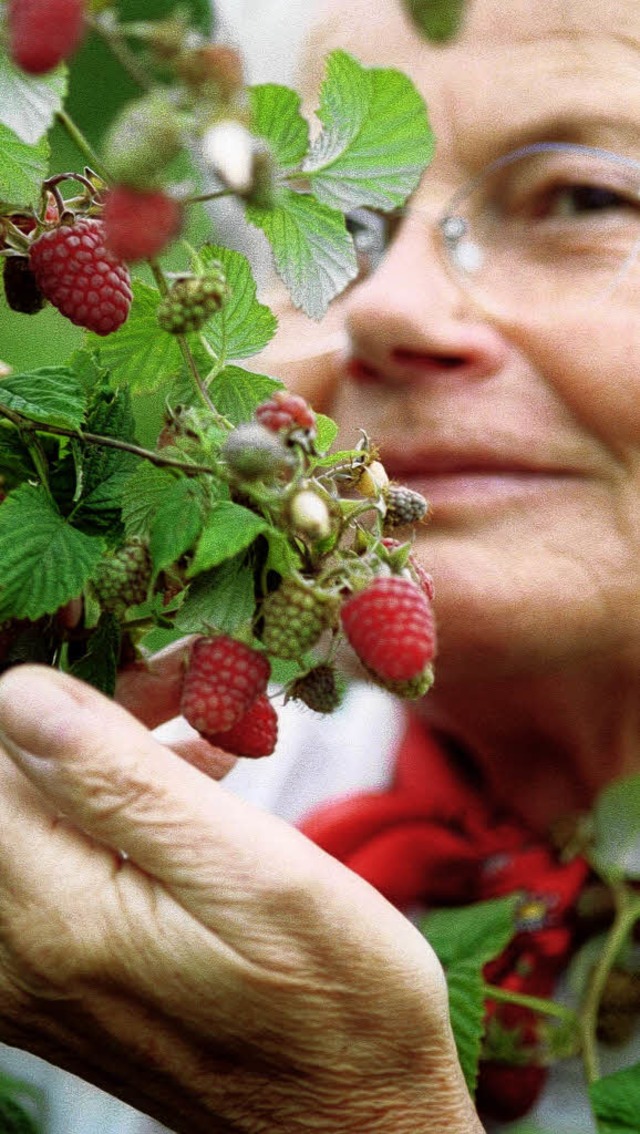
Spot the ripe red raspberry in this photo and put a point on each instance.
(223, 678)
(284, 413)
(76, 273)
(42, 33)
(139, 224)
(390, 626)
(255, 734)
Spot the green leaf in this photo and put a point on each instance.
(439, 19)
(236, 392)
(142, 497)
(615, 852)
(140, 354)
(99, 666)
(45, 561)
(14, 1119)
(467, 1012)
(221, 599)
(15, 460)
(616, 1101)
(312, 250)
(327, 432)
(242, 326)
(465, 939)
(28, 103)
(229, 528)
(478, 932)
(177, 522)
(50, 395)
(376, 140)
(276, 117)
(22, 169)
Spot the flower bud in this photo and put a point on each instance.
(310, 515)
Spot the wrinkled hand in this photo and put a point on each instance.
(195, 955)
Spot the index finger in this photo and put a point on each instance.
(151, 689)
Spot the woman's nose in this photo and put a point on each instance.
(408, 321)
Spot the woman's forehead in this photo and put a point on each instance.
(565, 68)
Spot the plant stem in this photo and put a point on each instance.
(627, 913)
(536, 1003)
(24, 424)
(82, 143)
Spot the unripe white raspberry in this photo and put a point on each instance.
(229, 148)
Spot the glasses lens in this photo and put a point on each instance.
(549, 224)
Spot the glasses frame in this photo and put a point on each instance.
(448, 240)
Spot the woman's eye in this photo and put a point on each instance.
(576, 200)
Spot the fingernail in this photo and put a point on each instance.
(38, 711)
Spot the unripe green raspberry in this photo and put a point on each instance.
(191, 301)
(319, 689)
(404, 506)
(253, 452)
(295, 616)
(122, 579)
(145, 137)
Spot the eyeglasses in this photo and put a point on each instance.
(546, 225)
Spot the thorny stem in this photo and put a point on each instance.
(82, 143)
(627, 913)
(24, 424)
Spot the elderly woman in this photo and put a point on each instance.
(230, 974)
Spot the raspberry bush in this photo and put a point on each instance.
(233, 523)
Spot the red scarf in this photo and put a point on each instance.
(431, 840)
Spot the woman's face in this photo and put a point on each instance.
(522, 429)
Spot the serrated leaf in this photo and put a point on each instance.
(276, 117)
(616, 1101)
(14, 1119)
(45, 561)
(177, 522)
(229, 528)
(312, 250)
(29, 103)
(376, 141)
(99, 666)
(50, 395)
(142, 497)
(281, 556)
(243, 326)
(222, 598)
(439, 20)
(15, 461)
(327, 431)
(615, 852)
(478, 932)
(236, 392)
(22, 169)
(467, 1012)
(140, 354)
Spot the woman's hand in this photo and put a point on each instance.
(193, 955)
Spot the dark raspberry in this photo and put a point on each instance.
(404, 506)
(390, 626)
(319, 689)
(79, 276)
(223, 678)
(20, 288)
(138, 224)
(254, 735)
(295, 616)
(42, 33)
